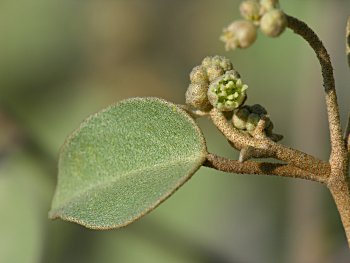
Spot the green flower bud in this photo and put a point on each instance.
(198, 75)
(227, 92)
(214, 71)
(239, 34)
(252, 121)
(273, 23)
(196, 96)
(240, 117)
(267, 5)
(250, 10)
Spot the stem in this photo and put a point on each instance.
(270, 148)
(306, 32)
(338, 181)
(347, 43)
(347, 134)
(261, 168)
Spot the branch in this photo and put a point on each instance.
(268, 148)
(347, 44)
(306, 32)
(262, 168)
(347, 134)
(348, 41)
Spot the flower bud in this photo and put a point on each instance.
(267, 5)
(227, 92)
(252, 121)
(258, 109)
(198, 75)
(239, 34)
(240, 117)
(196, 96)
(273, 23)
(250, 10)
(220, 61)
(214, 71)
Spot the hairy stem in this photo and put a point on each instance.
(306, 32)
(347, 134)
(347, 45)
(338, 181)
(347, 41)
(270, 148)
(261, 168)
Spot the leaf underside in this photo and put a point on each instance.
(124, 161)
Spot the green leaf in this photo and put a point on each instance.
(124, 161)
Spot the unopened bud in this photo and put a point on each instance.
(196, 96)
(227, 92)
(273, 23)
(250, 10)
(267, 5)
(239, 34)
(214, 71)
(198, 75)
(220, 61)
(240, 117)
(252, 121)
(258, 109)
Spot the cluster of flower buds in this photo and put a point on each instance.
(265, 14)
(246, 119)
(215, 83)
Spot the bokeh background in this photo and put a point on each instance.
(62, 60)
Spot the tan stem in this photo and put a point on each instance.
(261, 168)
(270, 148)
(338, 181)
(309, 35)
(347, 41)
(347, 134)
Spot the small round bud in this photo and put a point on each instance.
(250, 10)
(267, 5)
(227, 92)
(258, 109)
(239, 34)
(207, 61)
(196, 96)
(240, 117)
(199, 75)
(273, 23)
(252, 121)
(214, 71)
(269, 129)
(222, 62)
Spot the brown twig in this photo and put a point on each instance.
(347, 134)
(347, 41)
(338, 181)
(266, 147)
(309, 35)
(261, 168)
(347, 45)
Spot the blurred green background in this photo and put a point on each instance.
(62, 60)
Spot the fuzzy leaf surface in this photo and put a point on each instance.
(124, 161)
